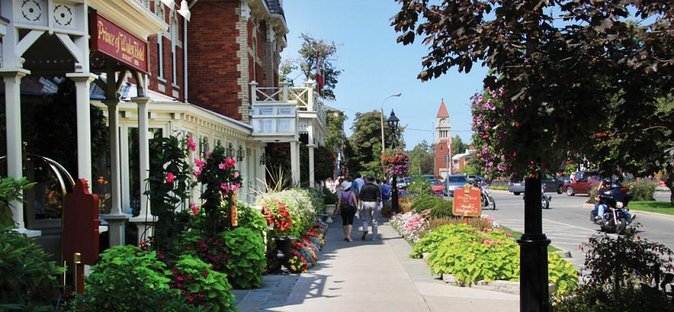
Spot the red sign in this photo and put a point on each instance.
(115, 42)
(467, 202)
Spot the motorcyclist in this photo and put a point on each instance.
(608, 191)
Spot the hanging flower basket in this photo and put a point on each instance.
(395, 162)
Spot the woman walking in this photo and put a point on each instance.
(346, 207)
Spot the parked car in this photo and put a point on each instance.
(582, 183)
(453, 182)
(550, 184)
(437, 187)
(403, 182)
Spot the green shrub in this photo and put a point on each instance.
(251, 218)
(329, 198)
(561, 273)
(246, 258)
(10, 189)
(419, 187)
(201, 286)
(618, 276)
(438, 206)
(316, 196)
(27, 280)
(127, 279)
(642, 189)
(473, 256)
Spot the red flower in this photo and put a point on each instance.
(170, 177)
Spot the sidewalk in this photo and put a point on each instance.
(368, 276)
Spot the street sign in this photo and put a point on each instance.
(467, 202)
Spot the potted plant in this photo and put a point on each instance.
(330, 201)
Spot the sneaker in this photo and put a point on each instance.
(362, 237)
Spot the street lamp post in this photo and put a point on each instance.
(381, 109)
(392, 122)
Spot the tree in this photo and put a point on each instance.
(556, 68)
(421, 159)
(458, 146)
(536, 50)
(319, 54)
(335, 136)
(365, 143)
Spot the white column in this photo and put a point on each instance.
(310, 98)
(312, 179)
(82, 83)
(295, 162)
(116, 219)
(12, 79)
(145, 219)
(311, 146)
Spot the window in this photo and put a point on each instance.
(174, 43)
(160, 56)
(159, 9)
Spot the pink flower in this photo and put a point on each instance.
(170, 177)
(209, 154)
(222, 166)
(191, 144)
(223, 186)
(200, 163)
(230, 162)
(236, 174)
(197, 172)
(195, 209)
(235, 186)
(488, 242)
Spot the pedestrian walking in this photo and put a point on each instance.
(369, 198)
(346, 207)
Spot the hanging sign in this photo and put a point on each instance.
(117, 43)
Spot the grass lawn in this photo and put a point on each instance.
(517, 235)
(652, 206)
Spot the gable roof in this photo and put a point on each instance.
(442, 112)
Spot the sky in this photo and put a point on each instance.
(374, 66)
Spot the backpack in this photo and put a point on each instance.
(345, 196)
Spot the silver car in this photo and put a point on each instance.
(549, 182)
(453, 182)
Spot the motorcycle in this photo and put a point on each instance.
(616, 217)
(545, 199)
(487, 200)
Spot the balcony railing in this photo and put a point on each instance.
(274, 109)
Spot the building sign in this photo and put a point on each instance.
(467, 202)
(115, 42)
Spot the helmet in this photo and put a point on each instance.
(606, 182)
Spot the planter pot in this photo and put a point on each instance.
(330, 210)
(283, 248)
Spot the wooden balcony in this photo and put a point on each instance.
(278, 112)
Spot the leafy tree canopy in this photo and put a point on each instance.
(365, 143)
(421, 159)
(562, 69)
(316, 52)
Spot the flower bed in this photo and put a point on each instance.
(473, 254)
(304, 252)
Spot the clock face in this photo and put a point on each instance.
(443, 122)
(31, 10)
(63, 15)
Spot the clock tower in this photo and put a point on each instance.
(442, 142)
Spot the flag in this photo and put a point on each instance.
(320, 80)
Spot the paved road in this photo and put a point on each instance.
(567, 223)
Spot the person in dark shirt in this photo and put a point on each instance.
(369, 198)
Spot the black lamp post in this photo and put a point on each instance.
(392, 122)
